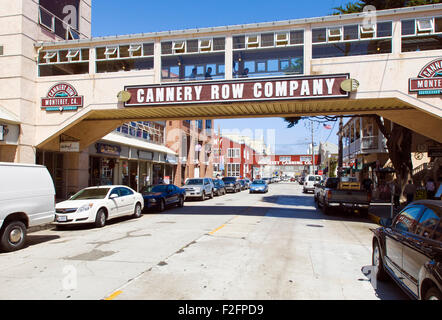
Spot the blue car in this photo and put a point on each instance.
(259, 186)
(161, 196)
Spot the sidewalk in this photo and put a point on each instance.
(379, 210)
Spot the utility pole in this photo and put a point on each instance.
(313, 148)
(340, 164)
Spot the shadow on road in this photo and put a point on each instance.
(37, 239)
(384, 290)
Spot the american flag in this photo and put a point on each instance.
(327, 126)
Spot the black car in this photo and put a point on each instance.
(162, 195)
(220, 187)
(232, 184)
(409, 249)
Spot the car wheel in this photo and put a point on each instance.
(211, 195)
(137, 212)
(433, 294)
(377, 262)
(100, 219)
(13, 236)
(162, 205)
(203, 197)
(181, 202)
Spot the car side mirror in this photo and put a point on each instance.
(113, 196)
(385, 222)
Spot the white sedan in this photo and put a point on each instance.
(99, 204)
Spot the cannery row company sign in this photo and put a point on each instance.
(429, 79)
(61, 96)
(284, 88)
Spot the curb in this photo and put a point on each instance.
(40, 228)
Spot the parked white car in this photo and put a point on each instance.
(310, 181)
(99, 204)
(27, 199)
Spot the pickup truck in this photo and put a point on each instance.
(333, 193)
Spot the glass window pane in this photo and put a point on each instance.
(166, 47)
(428, 223)
(407, 219)
(319, 35)
(351, 32)
(124, 51)
(219, 43)
(267, 39)
(408, 27)
(192, 46)
(438, 24)
(297, 37)
(422, 43)
(261, 66)
(384, 29)
(148, 49)
(239, 42)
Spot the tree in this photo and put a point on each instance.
(399, 137)
(358, 6)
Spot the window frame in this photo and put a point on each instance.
(422, 34)
(275, 45)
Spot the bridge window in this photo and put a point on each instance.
(192, 59)
(63, 62)
(127, 57)
(268, 54)
(421, 34)
(51, 17)
(145, 130)
(352, 40)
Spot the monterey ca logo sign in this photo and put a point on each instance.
(429, 80)
(62, 97)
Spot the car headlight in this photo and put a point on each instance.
(153, 200)
(85, 207)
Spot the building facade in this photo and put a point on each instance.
(61, 90)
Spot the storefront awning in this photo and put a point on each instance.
(120, 139)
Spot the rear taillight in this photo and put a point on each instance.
(329, 194)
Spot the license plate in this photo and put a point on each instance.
(62, 218)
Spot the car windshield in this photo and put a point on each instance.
(258, 182)
(94, 193)
(228, 179)
(314, 178)
(194, 181)
(157, 188)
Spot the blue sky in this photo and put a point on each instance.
(138, 16)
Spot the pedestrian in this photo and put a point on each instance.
(409, 191)
(245, 73)
(430, 187)
(208, 75)
(193, 74)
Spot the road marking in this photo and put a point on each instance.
(114, 295)
(212, 232)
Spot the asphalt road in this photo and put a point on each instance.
(238, 246)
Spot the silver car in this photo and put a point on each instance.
(199, 188)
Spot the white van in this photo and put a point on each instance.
(310, 181)
(27, 199)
